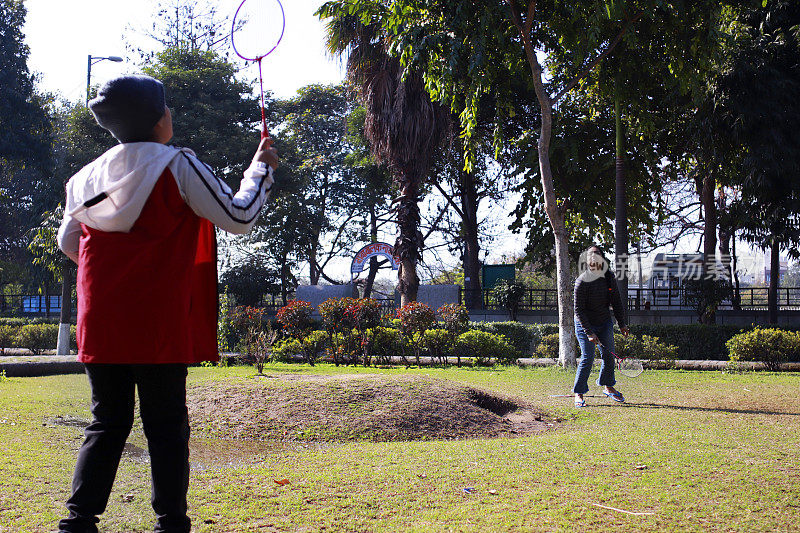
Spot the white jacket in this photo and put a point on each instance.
(109, 193)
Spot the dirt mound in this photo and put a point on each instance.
(356, 407)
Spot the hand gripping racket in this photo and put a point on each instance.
(256, 32)
(626, 366)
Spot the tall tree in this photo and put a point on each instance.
(213, 113)
(313, 132)
(186, 25)
(25, 133)
(375, 182)
(754, 111)
(404, 126)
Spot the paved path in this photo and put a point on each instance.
(48, 365)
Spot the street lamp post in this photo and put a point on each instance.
(92, 60)
(62, 345)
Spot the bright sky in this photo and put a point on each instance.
(61, 34)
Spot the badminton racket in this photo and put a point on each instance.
(627, 366)
(256, 32)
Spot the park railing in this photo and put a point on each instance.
(674, 298)
(20, 305)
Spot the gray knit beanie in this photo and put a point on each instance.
(129, 107)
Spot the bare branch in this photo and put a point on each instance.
(449, 200)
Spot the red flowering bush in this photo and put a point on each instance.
(364, 315)
(257, 336)
(295, 317)
(455, 318)
(415, 318)
(334, 314)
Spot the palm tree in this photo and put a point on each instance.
(403, 126)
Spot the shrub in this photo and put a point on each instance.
(363, 313)
(486, 348)
(337, 322)
(655, 350)
(646, 347)
(313, 344)
(383, 343)
(38, 337)
(415, 319)
(630, 346)
(295, 317)
(694, 341)
(439, 343)
(257, 337)
(548, 346)
(15, 322)
(455, 318)
(287, 349)
(226, 329)
(334, 314)
(771, 346)
(8, 338)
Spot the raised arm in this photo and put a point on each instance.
(211, 198)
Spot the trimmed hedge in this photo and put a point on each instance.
(771, 346)
(695, 341)
(524, 337)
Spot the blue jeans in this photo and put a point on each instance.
(605, 332)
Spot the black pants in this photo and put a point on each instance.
(162, 404)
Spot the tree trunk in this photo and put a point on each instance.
(469, 223)
(62, 346)
(373, 262)
(621, 214)
(774, 280)
(564, 283)
(47, 299)
(313, 268)
(409, 242)
(737, 295)
(709, 241)
(284, 279)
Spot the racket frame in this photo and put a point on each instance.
(258, 59)
(618, 360)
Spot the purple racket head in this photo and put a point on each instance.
(257, 29)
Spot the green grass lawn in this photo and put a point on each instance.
(697, 451)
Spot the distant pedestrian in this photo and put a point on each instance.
(595, 290)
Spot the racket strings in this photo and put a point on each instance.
(257, 29)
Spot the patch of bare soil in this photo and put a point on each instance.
(359, 407)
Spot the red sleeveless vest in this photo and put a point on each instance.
(149, 296)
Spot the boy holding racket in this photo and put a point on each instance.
(139, 222)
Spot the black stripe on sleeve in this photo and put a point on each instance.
(221, 204)
(223, 185)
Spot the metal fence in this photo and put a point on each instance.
(32, 305)
(751, 298)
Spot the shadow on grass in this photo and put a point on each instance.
(708, 409)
